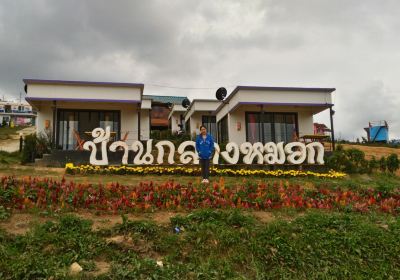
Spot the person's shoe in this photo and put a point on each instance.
(203, 181)
(206, 181)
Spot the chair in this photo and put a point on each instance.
(79, 141)
(123, 139)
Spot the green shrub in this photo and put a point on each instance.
(373, 164)
(34, 147)
(392, 163)
(29, 149)
(382, 164)
(349, 161)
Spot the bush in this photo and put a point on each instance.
(373, 164)
(29, 149)
(382, 164)
(34, 147)
(349, 161)
(392, 163)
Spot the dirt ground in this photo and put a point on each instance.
(9, 145)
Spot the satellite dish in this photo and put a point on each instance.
(26, 88)
(186, 103)
(221, 93)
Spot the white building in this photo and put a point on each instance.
(16, 113)
(69, 110)
(264, 114)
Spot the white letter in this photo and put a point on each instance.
(300, 154)
(160, 146)
(188, 156)
(231, 146)
(311, 152)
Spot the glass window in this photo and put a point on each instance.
(274, 127)
(291, 133)
(223, 130)
(268, 125)
(210, 123)
(253, 128)
(78, 124)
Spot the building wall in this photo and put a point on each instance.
(45, 113)
(175, 121)
(145, 125)
(195, 122)
(306, 123)
(208, 106)
(284, 96)
(235, 135)
(83, 92)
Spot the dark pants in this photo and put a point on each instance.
(205, 168)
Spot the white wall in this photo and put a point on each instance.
(84, 92)
(306, 123)
(195, 122)
(237, 136)
(145, 125)
(284, 96)
(175, 121)
(202, 105)
(45, 113)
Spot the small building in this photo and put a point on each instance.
(270, 114)
(16, 114)
(69, 110)
(377, 131)
(321, 129)
(202, 112)
(160, 109)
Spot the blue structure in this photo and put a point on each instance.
(378, 132)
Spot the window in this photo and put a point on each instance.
(210, 123)
(74, 123)
(253, 127)
(223, 136)
(271, 127)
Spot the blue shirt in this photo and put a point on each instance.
(204, 147)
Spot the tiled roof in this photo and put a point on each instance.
(165, 99)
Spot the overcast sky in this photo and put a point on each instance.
(351, 45)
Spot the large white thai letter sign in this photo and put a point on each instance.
(270, 153)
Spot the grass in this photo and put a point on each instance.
(212, 244)
(7, 158)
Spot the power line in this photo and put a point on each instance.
(190, 88)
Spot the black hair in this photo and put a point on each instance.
(202, 126)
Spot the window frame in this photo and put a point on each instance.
(261, 127)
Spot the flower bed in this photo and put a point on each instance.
(195, 171)
(54, 195)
